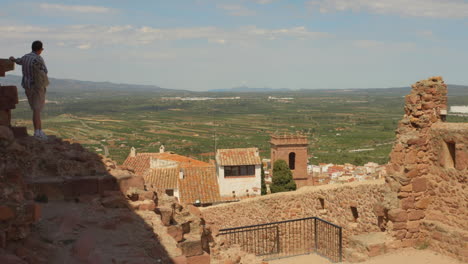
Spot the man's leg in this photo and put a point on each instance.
(37, 120)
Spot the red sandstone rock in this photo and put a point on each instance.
(179, 260)
(115, 201)
(397, 215)
(419, 184)
(176, 232)
(202, 259)
(423, 203)
(6, 213)
(191, 247)
(416, 215)
(166, 215)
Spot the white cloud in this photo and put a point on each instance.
(236, 10)
(91, 36)
(374, 44)
(263, 2)
(414, 8)
(75, 8)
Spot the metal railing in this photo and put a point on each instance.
(288, 238)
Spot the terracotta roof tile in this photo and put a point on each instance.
(239, 156)
(162, 178)
(199, 183)
(141, 162)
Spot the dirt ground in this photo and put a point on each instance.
(404, 256)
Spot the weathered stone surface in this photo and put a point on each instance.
(419, 185)
(5, 66)
(191, 247)
(6, 213)
(416, 215)
(176, 232)
(8, 97)
(166, 215)
(397, 215)
(202, 259)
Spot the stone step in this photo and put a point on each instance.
(361, 247)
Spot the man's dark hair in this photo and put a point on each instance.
(36, 45)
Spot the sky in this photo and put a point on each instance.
(216, 44)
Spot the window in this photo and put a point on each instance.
(247, 170)
(449, 154)
(322, 203)
(170, 192)
(292, 160)
(355, 213)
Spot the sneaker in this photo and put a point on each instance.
(39, 134)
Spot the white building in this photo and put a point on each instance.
(239, 172)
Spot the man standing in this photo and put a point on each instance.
(34, 82)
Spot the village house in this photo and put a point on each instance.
(239, 172)
(189, 180)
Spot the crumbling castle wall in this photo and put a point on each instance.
(333, 203)
(428, 174)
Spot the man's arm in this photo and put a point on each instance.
(18, 61)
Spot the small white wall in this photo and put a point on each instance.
(239, 184)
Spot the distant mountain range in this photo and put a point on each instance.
(69, 86)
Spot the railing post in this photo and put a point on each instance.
(277, 240)
(341, 244)
(315, 234)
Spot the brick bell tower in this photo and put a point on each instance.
(292, 149)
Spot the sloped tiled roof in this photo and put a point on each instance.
(238, 156)
(162, 178)
(141, 162)
(199, 183)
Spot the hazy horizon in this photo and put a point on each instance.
(205, 44)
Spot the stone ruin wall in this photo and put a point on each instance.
(306, 202)
(428, 174)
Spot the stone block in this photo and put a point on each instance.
(3, 243)
(8, 97)
(74, 187)
(11, 259)
(407, 203)
(202, 259)
(413, 226)
(107, 183)
(131, 182)
(33, 210)
(416, 215)
(397, 215)
(375, 250)
(4, 117)
(166, 215)
(5, 66)
(423, 203)
(114, 201)
(176, 232)
(6, 213)
(179, 260)
(419, 184)
(191, 247)
(20, 132)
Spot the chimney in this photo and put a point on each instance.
(132, 152)
(256, 152)
(181, 174)
(161, 149)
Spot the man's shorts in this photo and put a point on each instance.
(36, 97)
